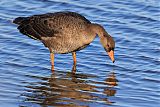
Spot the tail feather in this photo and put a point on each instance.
(20, 20)
(26, 28)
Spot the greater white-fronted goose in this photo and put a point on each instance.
(64, 32)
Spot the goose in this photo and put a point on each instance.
(64, 32)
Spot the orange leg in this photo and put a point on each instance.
(74, 58)
(52, 61)
(74, 62)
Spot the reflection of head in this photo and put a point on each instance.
(111, 80)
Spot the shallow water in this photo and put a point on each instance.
(132, 81)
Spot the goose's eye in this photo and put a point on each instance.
(109, 49)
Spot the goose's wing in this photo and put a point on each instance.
(51, 24)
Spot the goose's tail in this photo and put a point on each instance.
(26, 28)
(20, 20)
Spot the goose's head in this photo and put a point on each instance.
(109, 45)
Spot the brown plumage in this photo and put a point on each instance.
(64, 32)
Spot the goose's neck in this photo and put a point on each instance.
(97, 30)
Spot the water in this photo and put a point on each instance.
(133, 81)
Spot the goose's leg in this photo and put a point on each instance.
(74, 58)
(52, 61)
(74, 62)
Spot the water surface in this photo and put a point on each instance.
(133, 81)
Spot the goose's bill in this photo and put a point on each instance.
(111, 55)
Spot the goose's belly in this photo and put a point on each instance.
(62, 45)
(65, 50)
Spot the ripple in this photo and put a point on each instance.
(26, 79)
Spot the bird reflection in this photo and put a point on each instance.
(70, 90)
(112, 82)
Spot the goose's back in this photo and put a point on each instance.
(60, 23)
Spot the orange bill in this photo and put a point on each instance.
(111, 55)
